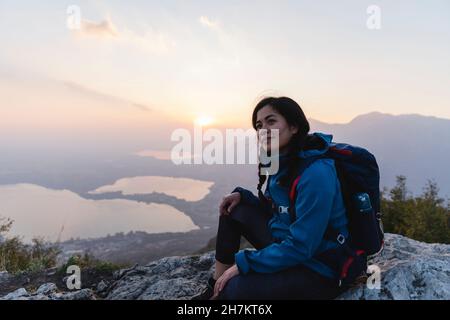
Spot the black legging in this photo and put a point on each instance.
(299, 282)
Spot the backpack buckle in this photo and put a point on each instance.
(340, 238)
(283, 209)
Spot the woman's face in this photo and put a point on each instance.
(269, 119)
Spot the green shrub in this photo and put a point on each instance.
(16, 256)
(424, 218)
(87, 261)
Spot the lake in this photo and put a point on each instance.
(181, 188)
(38, 211)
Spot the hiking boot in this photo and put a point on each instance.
(208, 292)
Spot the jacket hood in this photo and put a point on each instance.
(316, 144)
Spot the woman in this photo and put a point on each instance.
(290, 260)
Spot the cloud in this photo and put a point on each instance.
(104, 97)
(104, 29)
(150, 40)
(207, 22)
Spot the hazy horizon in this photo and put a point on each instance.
(140, 64)
(91, 91)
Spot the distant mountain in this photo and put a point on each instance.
(412, 145)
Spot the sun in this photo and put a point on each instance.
(204, 121)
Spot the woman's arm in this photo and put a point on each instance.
(315, 193)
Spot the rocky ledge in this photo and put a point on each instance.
(409, 270)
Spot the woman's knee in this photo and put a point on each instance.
(242, 212)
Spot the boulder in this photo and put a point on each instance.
(409, 270)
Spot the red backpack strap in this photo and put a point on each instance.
(293, 189)
(292, 196)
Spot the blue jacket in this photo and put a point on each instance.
(319, 203)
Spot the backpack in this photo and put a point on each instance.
(359, 177)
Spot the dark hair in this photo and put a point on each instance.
(293, 113)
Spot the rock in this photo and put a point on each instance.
(4, 275)
(409, 270)
(26, 281)
(51, 271)
(56, 296)
(102, 286)
(19, 293)
(168, 278)
(38, 297)
(47, 289)
(120, 273)
(64, 280)
(83, 294)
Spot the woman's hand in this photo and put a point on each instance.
(229, 202)
(222, 281)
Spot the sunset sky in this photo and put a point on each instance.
(183, 60)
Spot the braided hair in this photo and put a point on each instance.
(294, 116)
